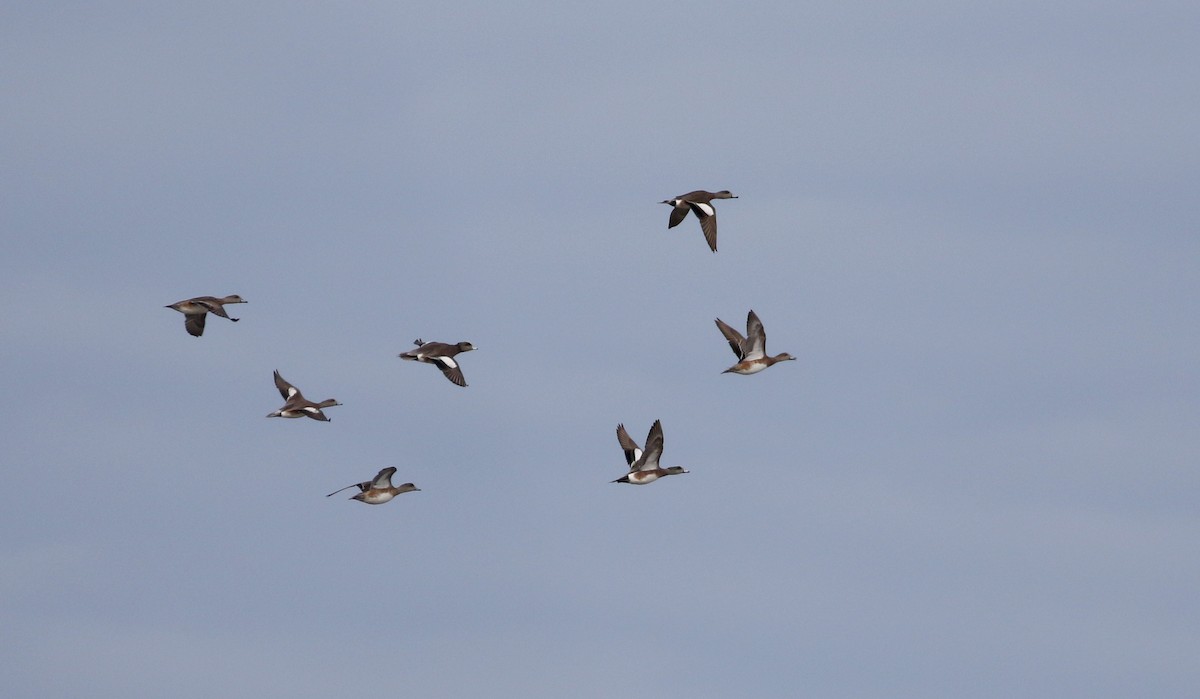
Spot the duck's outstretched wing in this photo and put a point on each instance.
(736, 341)
(450, 369)
(678, 213)
(654, 449)
(756, 337)
(360, 486)
(285, 389)
(708, 221)
(194, 323)
(383, 479)
(632, 451)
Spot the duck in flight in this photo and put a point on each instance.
(442, 355)
(751, 350)
(698, 202)
(195, 309)
(379, 489)
(643, 463)
(296, 404)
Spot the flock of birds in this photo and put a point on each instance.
(643, 462)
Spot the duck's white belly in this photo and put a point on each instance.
(376, 497)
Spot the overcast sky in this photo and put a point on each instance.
(974, 224)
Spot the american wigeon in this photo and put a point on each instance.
(379, 489)
(297, 405)
(442, 355)
(751, 350)
(699, 203)
(194, 310)
(643, 463)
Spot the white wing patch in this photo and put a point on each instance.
(757, 348)
(384, 478)
(706, 208)
(447, 362)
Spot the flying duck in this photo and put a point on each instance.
(442, 355)
(699, 203)
(751, 350)
(379, 489)
(194, 311)
(296, 404)
(643, 463)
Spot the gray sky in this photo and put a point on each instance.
(975, 225)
